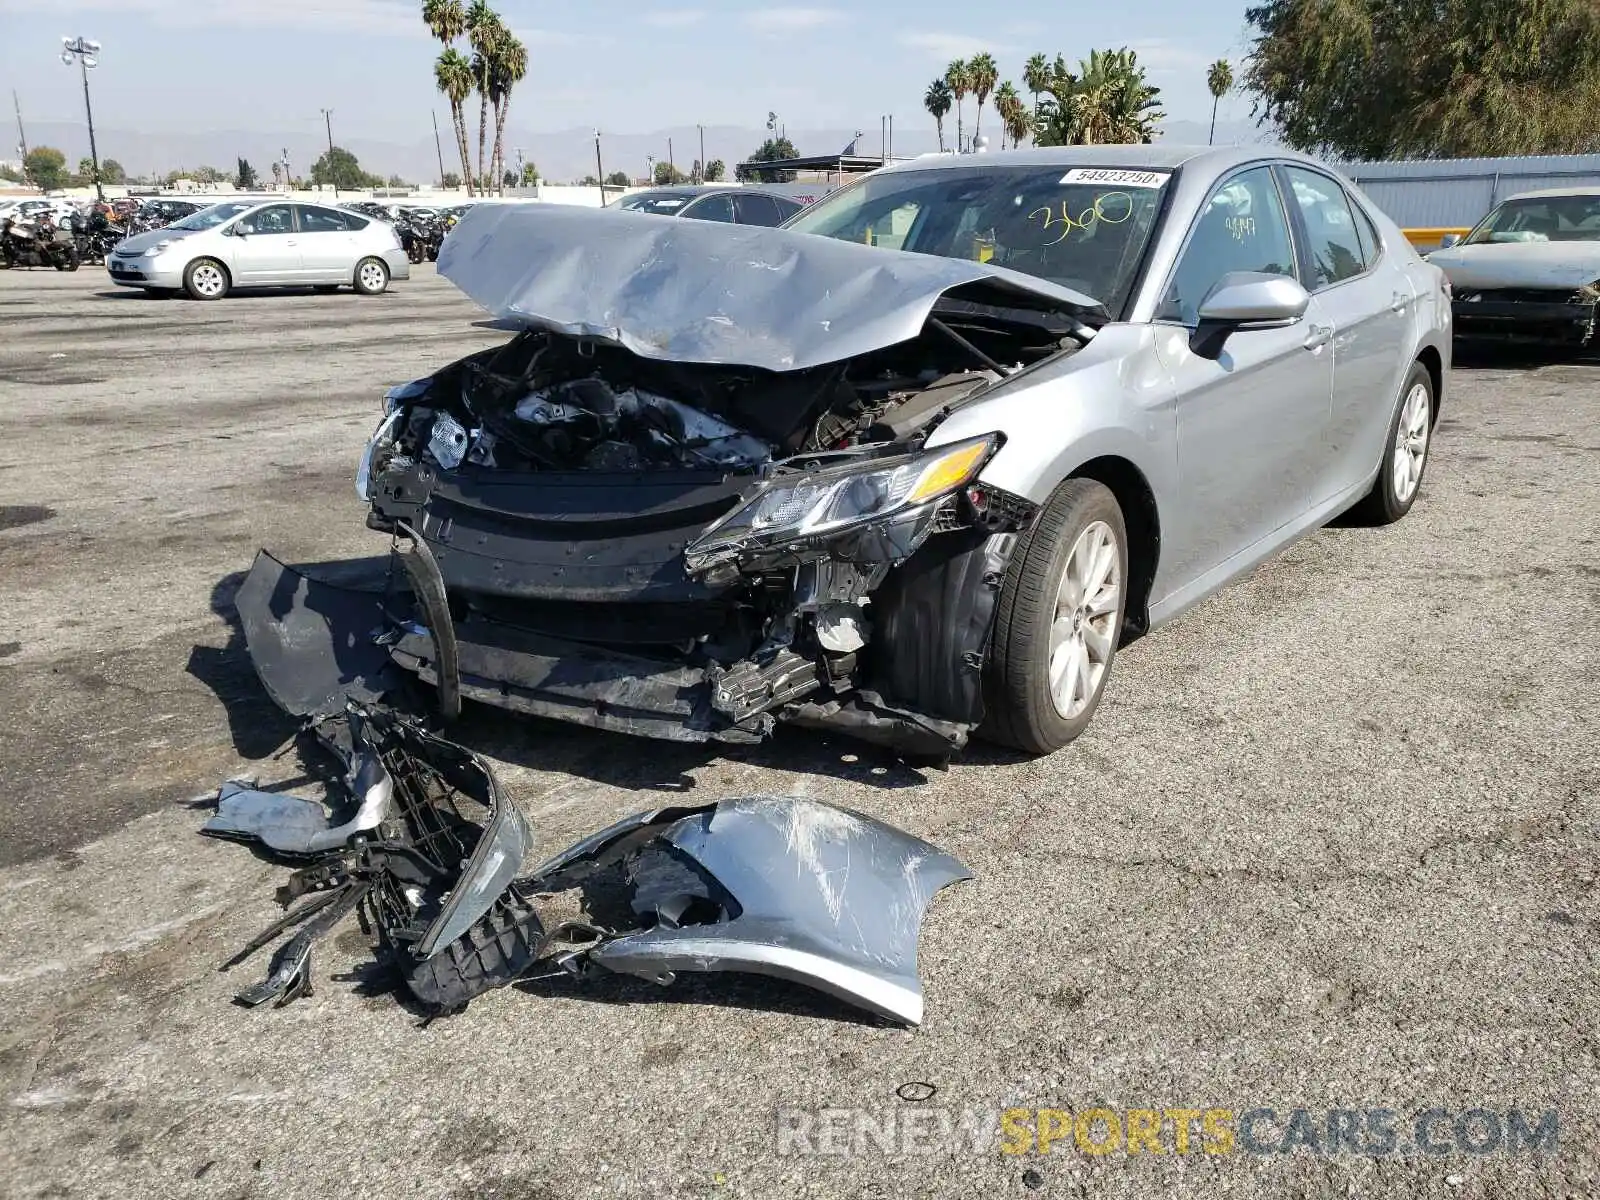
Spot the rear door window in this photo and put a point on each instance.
(710, 208)
(756, 210)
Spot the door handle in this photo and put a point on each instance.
(1400, 303)
(291, 242)
(1318, 337)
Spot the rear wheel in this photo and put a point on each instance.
(1405, 455)
(1059, 622)
(206, 279)
(372, 277)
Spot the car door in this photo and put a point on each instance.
(327, 245)
(1249, 417)
(265, 248)
(752, 208)
(715, 207)
(1368, 299)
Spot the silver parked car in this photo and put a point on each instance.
(912, 466)
(1530, 270)
(250, 243)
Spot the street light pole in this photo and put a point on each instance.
(327, 119)
(599, 170)
(85, 51)
(702, 130)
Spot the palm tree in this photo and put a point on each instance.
(483, 31)
(1019, 121)
(982, 74)
(1220, 80)
(453, 76)
(445, 19)
(509, 68)
(959, 80)
(1107, 101)
(1036, 77)
(938, 100)
(1005, 97)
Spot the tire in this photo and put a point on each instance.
(1022, 710)
(1389, 499)
(371, 277)
(206, 279)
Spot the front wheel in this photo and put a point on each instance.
(206, 279)
(1405, 455)
(1059, 621)
(372, 277)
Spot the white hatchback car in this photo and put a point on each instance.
(275, 243)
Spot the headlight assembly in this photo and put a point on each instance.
(401, 392)
(795, 509)
(381, 438)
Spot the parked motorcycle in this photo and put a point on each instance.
(39, 242)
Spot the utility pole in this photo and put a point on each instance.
(671, 161)
(649, 169)
(883, 145)
(85, 52)
(437, 149)
(327, 119)
(702, 130)
(22, 135)
(599, 171)
(891, 137)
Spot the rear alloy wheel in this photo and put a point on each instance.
(1405, 457)
(206, 279)
(1059, 622)
(372, 277)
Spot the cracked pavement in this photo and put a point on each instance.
(1330, 842)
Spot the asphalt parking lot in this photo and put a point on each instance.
(1331, 842)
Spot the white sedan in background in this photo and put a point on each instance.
(249, 244)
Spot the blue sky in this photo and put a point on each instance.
(626, 66)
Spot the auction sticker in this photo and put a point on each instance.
(1105, 175)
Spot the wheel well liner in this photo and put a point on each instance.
(1138, 503)
(1434, 362)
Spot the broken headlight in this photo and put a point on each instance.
(401, 392)
(382, 437)
(795, 508)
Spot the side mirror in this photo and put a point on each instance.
(1448, 240)
(1245, 300)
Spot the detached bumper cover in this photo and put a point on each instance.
(1557, 321)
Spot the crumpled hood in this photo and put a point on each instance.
(1520, 264)
(704, 292)
(140, 242)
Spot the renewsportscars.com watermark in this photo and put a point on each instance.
(1372, 1132)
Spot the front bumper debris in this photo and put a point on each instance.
(431, 849)
(1526, 316)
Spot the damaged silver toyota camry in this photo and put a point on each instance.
(912, 466)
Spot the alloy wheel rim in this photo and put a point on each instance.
(1411, 444)
(371, 276)
(207, 280)
(1083, 626)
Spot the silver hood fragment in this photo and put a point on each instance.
(704, 292)
(1520, 264)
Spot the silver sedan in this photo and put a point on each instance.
(248, 244)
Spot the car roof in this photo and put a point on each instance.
(1551, 193)
(1156, 156)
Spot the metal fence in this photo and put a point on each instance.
(1455, 192)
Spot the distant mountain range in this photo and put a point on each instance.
(561, 156)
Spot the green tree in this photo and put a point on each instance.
(530, 174)
(1367, 79)
(339, 168)
(1006, 104)
(772, 150)
(46, 168)
(982, 74)
(937, 100)
(450, 182)
(959, 80)
(1219, 80)
(9, 173)
(452, 74)
(667, 175)
(618, 179)
(244, 175)
(484, 31)
(715, 170)
(507, 68)
(85, 172)
(1108, 100)
(1036, 77)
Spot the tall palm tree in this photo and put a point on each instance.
(483, 31)
(937, 101)
(960, 83)
(1036, 77)
(982, 75)
(509, 68)
(453, 76)
(1019, 121)
(1220, 80)
(445, 19)
(1006, 103)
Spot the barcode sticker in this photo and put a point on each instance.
(1115, 178)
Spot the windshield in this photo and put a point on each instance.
(1084, 228)
(210, 218)
(1541, 219)
(659, 204)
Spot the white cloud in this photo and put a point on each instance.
(791, 20)
(389, 18)
(945, 47)
(1162, 57)
(674, 18)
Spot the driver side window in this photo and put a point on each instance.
(1241, 228)
(275, 218)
